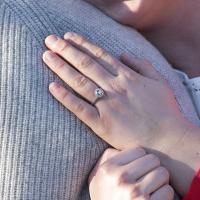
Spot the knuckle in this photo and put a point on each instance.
(90, 115)
(61, 65)
(128, 77)
(86, 62)
(80, 81)
(135, 191)
(64, 95)
(63, 46)
(154, 158)
(100, 53)
(79, 107)
(146, 62)
(116, 87)
(123, 178)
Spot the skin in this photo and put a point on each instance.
(130, 175)
(150, 118)
(140, 14)
(160, 21)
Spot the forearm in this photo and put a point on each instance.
(185, 161)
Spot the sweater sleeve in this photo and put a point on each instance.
(45, 152)
(194, 192)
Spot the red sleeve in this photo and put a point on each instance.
(194, 192)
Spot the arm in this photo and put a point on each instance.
(183, 159)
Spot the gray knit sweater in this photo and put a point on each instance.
(46, 153)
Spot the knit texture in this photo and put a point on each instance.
(46, 153)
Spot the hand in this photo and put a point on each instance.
(129, 175)
(138, 109)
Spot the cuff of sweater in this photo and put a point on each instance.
(194, 192)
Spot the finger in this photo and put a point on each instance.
(141, 66)
(154, 180)
(115, 157)
(81, 61)
(84, 111)
(108, 61)
(127, 156)
(165, 193)
(78, 82)
(138, 168)
(121, 157)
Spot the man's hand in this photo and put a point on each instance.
(129, 175)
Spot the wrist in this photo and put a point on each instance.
(182, 135)
(179, 153)
(172, 133)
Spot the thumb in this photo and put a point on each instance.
(141, 66)
(108, 154)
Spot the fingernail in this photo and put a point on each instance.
(53, 86)
(68, 35)
(49, 55)
(51, 39)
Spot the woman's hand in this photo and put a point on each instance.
(129, 175)
(138, 107)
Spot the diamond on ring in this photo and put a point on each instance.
(99, 92)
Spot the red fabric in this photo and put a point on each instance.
(194, 192)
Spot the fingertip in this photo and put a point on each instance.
(51, 39)
(48, 55)
(69, 35)
(44, 56)
(53, 86)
